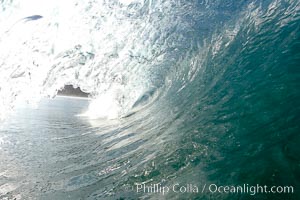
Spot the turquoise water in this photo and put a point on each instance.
(191, 93)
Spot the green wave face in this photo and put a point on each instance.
(191, 93)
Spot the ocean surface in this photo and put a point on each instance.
(191, 94)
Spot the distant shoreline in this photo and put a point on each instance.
(69, 90)
(73, 97)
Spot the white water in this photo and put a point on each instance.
(108, 48)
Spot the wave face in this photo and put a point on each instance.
(212, 85)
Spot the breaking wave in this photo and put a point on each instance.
(120, 50)
(210, 79)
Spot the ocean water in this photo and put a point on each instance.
(184, 94)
